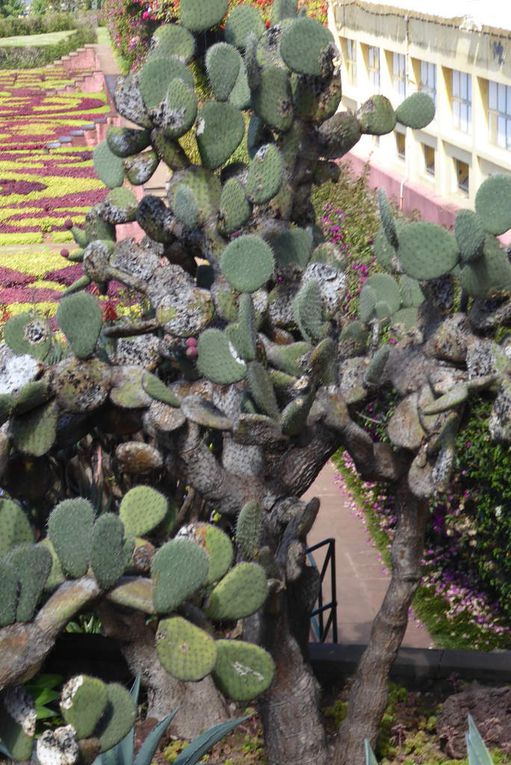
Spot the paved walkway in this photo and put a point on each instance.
(362, 579)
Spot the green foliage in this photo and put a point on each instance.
(29, 56)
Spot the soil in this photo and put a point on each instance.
(419, 728)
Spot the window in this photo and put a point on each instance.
(400, 145)
(499, 114)
(373, 66)
(350, 60)
(462, 175)
(429, 159)
(462, 101)
(428, 79)
(399, 73)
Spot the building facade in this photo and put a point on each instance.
(463, 63)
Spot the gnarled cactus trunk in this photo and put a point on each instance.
(368, 697)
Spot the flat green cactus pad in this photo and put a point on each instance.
(82, 703)
(273, 98)
(412, 295)
(426, 251)
(247, 263)
(242, 670)
(178, 111)
(240, 593)
(124, 142)
(142, 509)
(174, 40)
(283, 9)
(235, 208)
(15, 528)
(35, 433)
(492, 204)
(306, 47)
(139, 169)
(110, 551)
(178, 569)
(243, 21)
(489, 273)
(156, 76)
(249, 529)
(32, 564)
(80, 319)
(157, 389)
(416, 111)
(184, 650)
(200, 15)
(292, 247)
(8, 594)
(223, 64)
(118, 719)
(265, 174)
(220, 130)
(376, 116)
(109, 168)
(218, 360)
(70, 532)
(308, 311)
(261, 388)
(470, 235)
(28, 333)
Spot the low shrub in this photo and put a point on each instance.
(31, 56)
(41, 24)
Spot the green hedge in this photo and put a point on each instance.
(28, 57)
(49, 22)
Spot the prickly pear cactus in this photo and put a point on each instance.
(240, 375)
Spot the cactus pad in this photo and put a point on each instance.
(492, 204)
(8, 594)
(32, 564)
(120, 206)
(82, 703)
(217, 545)
(15, 528)
(308, 311)
(28, 334)
(157, 389)
(200, 15)
(176, 114)
(242, 670)
(249, 529)
(17, 722)
(265, 174)
(223, 64)
(35, 433)
(416, 111)
(118, 719)
(470, 235)
(109, 168)
(307, 47)
(70, 531)
(235, 209)
(218, 360)
(426, 251)
(178, 569)
(292, 247)
(376, 116)
(273, 99)
(184, 650)
(142, 509)
(247, 263)
(261, 388)
(110, 551)
(174, 40)
(156, 76)
(124, 142)
(240, 593)
(139, 169)
(220, 130)
(244, 20)
(489, 273)
(80, 319)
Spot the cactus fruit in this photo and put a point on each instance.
(110, 551)
(470, 235)
(265, 174)
(307, 47)
(118, 718)
(220, 130)
(17, 722)
(124, 142)
(249, 529)
(178, 569)
(29, 334)
(175, 40)
(70, 532)
(34, 433)
(235, 208)
(242, 670)
(261, 388)
(376, 116)
(244, 20)
(217, 359)
(82, 703)
(109, 167)
(308, 311)
(240, 593)
(492, 206)
(184, 650)
(200, 15)
(8, 593)
(247, 263)
(80, 319)
(32, 564)
(416, 111)
(426, 251)
(223, 64)
(15, 528)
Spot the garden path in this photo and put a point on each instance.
(362, 578)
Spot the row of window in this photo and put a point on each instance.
(499, 96)
(461, 169)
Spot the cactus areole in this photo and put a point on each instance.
(233, 385)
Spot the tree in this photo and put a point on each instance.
(242, 376)
(12, 8)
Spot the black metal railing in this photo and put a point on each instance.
(321, 624)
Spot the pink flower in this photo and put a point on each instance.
(146, 15)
